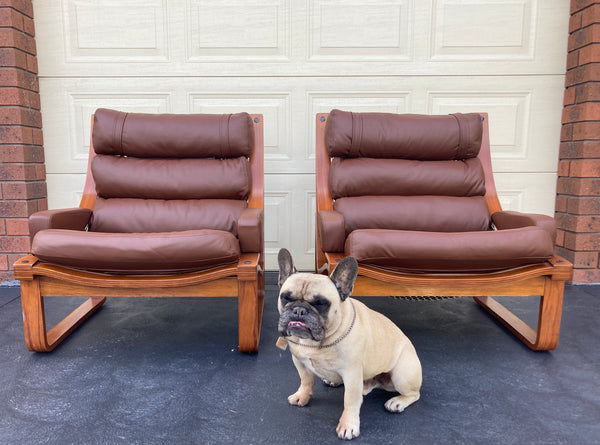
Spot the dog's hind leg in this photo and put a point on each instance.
(406, 378)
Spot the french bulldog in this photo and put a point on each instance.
(341, 341)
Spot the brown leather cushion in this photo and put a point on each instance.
(403, 136)
(450, 252)
(369, 176)
(426, 213)
(136, 252)
(155, 215)
(172, 135)
(126, 177)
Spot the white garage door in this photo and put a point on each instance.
(292, 59)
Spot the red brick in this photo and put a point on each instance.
(32, 64)
(3, 264)
(21, 153)
(20, 116)
(578, 186)
(566, 133)
(585, 260)
(585, 169)
(582, 241)
(9, 77)
(570, 96)
(16, 135)
(38, 135)
(23, 6)
(18, 209)
(583, 205)
(589, 54)
(573, 59)
(586, 276)
(586, 130)
(28, 26)
(2, 227)
(17, 226)
(590, 15)
(580, 150)
(18, 172)
(13, 57)
(24, 190)
(14, 243)
(584, 36)
(42, 204)
(587, 92)
(589, 111)
(560, 237)
(583, 74)
(578, 5)
(575, 22)
(575, 223)
(563, 168)
(561, 203)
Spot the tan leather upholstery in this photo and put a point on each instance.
(409, 193)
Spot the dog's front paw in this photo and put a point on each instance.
(299, 399)
(348, 429)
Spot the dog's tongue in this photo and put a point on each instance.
(296, 324)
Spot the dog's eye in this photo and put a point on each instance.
(321, 304)
(286, 297)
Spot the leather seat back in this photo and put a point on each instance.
(407, 172)
(163, 173)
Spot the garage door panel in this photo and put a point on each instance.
(64, 191)
(308, 38)
(290, 218)
(527, 192)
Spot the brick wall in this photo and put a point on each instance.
(578, 198)
(22, 171)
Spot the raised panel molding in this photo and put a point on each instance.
(135, 30)
(364, 30)
(484, 29)
(238, 30)
(509, 114)
(274, 107)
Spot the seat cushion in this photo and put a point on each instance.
(165, 252)
(450, 252)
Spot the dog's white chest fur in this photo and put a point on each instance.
(322, 367)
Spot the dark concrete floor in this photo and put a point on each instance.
(167, 371)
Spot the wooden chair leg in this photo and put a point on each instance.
(34, 319)
(548, 329)
(249, 315)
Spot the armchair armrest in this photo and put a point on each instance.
(513, 220)
(332, 230)
(72, 219)
(250, 230)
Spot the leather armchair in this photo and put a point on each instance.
(172, 206)
(412, 198)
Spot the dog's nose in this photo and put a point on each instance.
(299, 311)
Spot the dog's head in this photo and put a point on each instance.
(309, 304)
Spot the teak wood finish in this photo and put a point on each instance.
(244, 280)
(545, 280)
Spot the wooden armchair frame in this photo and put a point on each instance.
(244, 280)
(545, 280)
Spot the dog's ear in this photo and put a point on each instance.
(286, 265)
(344, 276)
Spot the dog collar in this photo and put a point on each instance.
(281, 340)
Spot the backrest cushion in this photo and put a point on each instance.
(407, 171)
(172, 135)
(168, 172)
